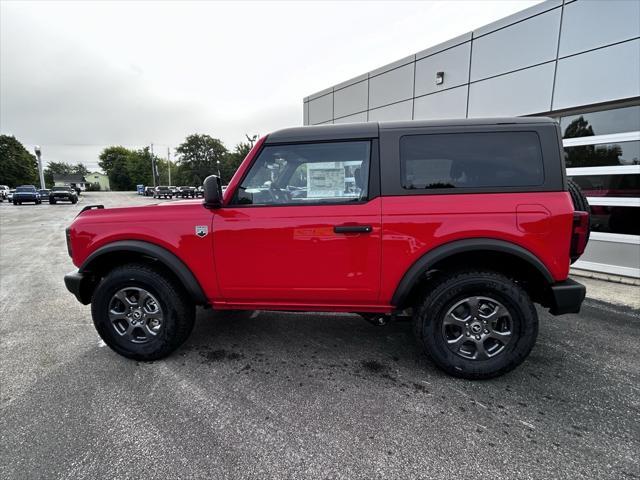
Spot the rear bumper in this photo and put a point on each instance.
(567, 297)
(78, 283)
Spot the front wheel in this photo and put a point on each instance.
(477, 325)
(140, 313)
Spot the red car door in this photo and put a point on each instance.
(307, 236)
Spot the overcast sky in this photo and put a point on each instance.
(78, 76)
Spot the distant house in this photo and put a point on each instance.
(99, 178)
(74, 180)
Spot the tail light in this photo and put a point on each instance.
(68, 235)
(579, 234)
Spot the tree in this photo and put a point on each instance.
(127, 168)
(139, 168)
(199, 157)
(17, 165)
(56, 168)
(80, 169)
(113, 161)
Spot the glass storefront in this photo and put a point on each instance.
(602, 155)
(609, 185)
(605, 122)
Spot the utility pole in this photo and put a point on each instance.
(40, 172)
(154, 169)
(169, 163)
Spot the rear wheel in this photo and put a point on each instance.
(140, 313)
(477, 325)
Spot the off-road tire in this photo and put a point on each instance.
(580, 202)
(578, 198)
(178, 311)
(430, 314)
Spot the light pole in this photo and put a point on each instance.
(218, 164)
(169, 163)
(40, 172)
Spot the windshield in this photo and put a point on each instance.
(25, 189)
(61, 189)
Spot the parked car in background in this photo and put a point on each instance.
(162, 192)
(10, 194)
(149, 191)
(174, 190)
(187, 192)
(4, 193)
(464, 225)
(44, 195)
(26, 193)
(200, 191)
(63, 194)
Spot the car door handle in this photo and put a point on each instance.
(353, 229)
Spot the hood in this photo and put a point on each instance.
(143, 213)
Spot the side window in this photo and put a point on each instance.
(299, 174)
(471, 160)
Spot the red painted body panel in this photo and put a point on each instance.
(291, 255)
(169, 225)
(414, 225)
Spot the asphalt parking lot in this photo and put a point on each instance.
(281, 395)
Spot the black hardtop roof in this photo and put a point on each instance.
(371, 129)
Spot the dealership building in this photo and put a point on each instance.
(577, 61)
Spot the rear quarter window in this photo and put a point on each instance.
(471, 160)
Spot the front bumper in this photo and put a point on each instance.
(79, 284)
(567, 297)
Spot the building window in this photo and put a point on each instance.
(609, 185)
(603, 155)
(621, 220)
(606, 122)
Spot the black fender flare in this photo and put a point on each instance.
(157, 253)
(441, 252)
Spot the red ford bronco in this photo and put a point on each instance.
(463, 224)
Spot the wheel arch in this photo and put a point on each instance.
(473, 252)
(105, 258)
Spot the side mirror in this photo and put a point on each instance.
(212, 192)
